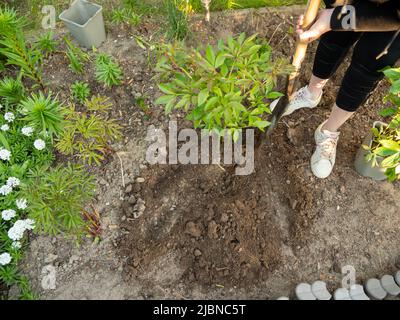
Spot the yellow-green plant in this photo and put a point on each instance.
(224, 88)
(386, 139)
(87, 134)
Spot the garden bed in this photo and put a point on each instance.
(204, 232)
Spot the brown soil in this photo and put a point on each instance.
(206, 233)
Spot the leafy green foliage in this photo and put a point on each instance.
(11, 91)
(125, 15)
(46, 43)
(386, 143)
(86, 135)
(57, 196)
(80, 91)
(108, 71)
(77, 57)
(178, 26)
(44, 113)
(15, 49)
(226, 88)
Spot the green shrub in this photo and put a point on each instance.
(224, 88)
(178, 25)
(11, 91)
(108, 71)
(386, 143)
(46, 43)
(125, 15)
(14, 48)
(77, 58)
(86, 135)
(80, 91)
(44, 113)
(56, 197)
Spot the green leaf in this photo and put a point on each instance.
(388, 112)
(203, 95)
(274, 95)
(390, 144)
(165, 88)
(164, 99)
(391, 161)
(220, 60)
(261, 124)
(210, 55)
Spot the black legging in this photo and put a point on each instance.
(364, 72)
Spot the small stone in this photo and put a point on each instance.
(50, 258)
(388, 283)
(132, 200)
(320, 291)
(140, 180)
(341, 294)
(397, 277)
(128, 188)
(197, 253)
(123, 218)
(139, 208)
(357, 293)
(193, 229)
(73, 258)
(283, 298)
(224, 217)
(303, 292)
(374, 289)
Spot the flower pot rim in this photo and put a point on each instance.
(99, 9)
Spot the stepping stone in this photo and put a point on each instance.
(319, 290)
(374, 289)
(397, 277)
(283, 298)
(341, 294)
(357, 293)
(388, 283)
(303, 292)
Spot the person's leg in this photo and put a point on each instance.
(359, 81)
(332, 49)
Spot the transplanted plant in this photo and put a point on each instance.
(77, 57)
(87, 135)
(44, 113)
(178, 25)
(108, 71)
(80, 91)
(11, 90)
(386, 139)
(125, 15)
(15, 49)
(57, 196)
(225, 88)
(46, 43)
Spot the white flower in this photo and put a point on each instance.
(39, 144)
(16, 245)
(27, 131)
(5, 154)
(8, 214)
(5, 259)
(16, 232)
(5, 190)
(21, 204)
(9, 116)
(5, 127)
(29, 224)
(13, 182)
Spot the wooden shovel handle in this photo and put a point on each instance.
(301, 47)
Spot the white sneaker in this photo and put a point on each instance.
(301, 99)
(324, 157)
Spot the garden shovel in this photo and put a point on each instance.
(301, 49)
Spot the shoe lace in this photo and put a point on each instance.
(327, 147)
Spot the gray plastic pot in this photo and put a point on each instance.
(364, 167)
(85, 21)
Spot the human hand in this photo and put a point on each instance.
(321, 25)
